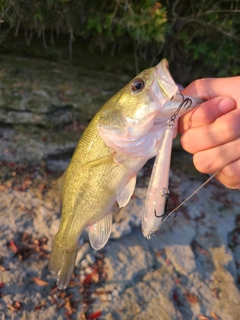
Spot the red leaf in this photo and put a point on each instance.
(175, 296)
(95, 315)
(202, 251)
(13, 246)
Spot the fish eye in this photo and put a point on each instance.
(137, 85)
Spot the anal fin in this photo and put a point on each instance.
(124, 194)
(99, 232)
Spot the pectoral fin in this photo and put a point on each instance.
(99, 232)
(124, 194)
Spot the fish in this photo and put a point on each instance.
(123, 135)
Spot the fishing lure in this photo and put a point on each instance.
(158, 193)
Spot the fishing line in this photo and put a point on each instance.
(192, 194)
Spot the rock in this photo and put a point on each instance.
(90, 258)
(41, 110)
(83, 252)
(182, 258)
(84, 263)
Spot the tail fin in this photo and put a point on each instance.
(62, 261)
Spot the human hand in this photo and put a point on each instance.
(211, 132)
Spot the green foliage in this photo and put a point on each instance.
(206, 33)
(201, 34)
(146, 24)
(123, 22)
(142, 21)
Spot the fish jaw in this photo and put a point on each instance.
(172, 93)
(168, 87)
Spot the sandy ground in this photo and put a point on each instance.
(189, 270)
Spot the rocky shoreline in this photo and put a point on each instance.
(189, 270)
(44, 106)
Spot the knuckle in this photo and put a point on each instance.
(232, 170)
(203, 83)
(229, 178)
(185, 142)
(202, 163)
(229, 125)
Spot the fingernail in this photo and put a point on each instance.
(226, 105)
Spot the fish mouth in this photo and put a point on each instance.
(165, 80)
(167, 92)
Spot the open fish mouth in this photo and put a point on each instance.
(165, 81)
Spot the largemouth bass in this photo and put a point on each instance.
(122, 136)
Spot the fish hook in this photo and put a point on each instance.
(186, 103)
(165, 209)
(164, 193)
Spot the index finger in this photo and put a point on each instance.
(208, 88)
(206, 113)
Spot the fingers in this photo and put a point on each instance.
(210, 160)
(223, 130)
(212, 131)
(230, 175)
(212, 87)
(206, 113)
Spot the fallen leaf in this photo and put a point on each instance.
(16, 306)
(214, 316)
(201, 317)
(202, 251)
(191, 298)
(40, 282)
(95, 315)
(13, 246)
(40, 306)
